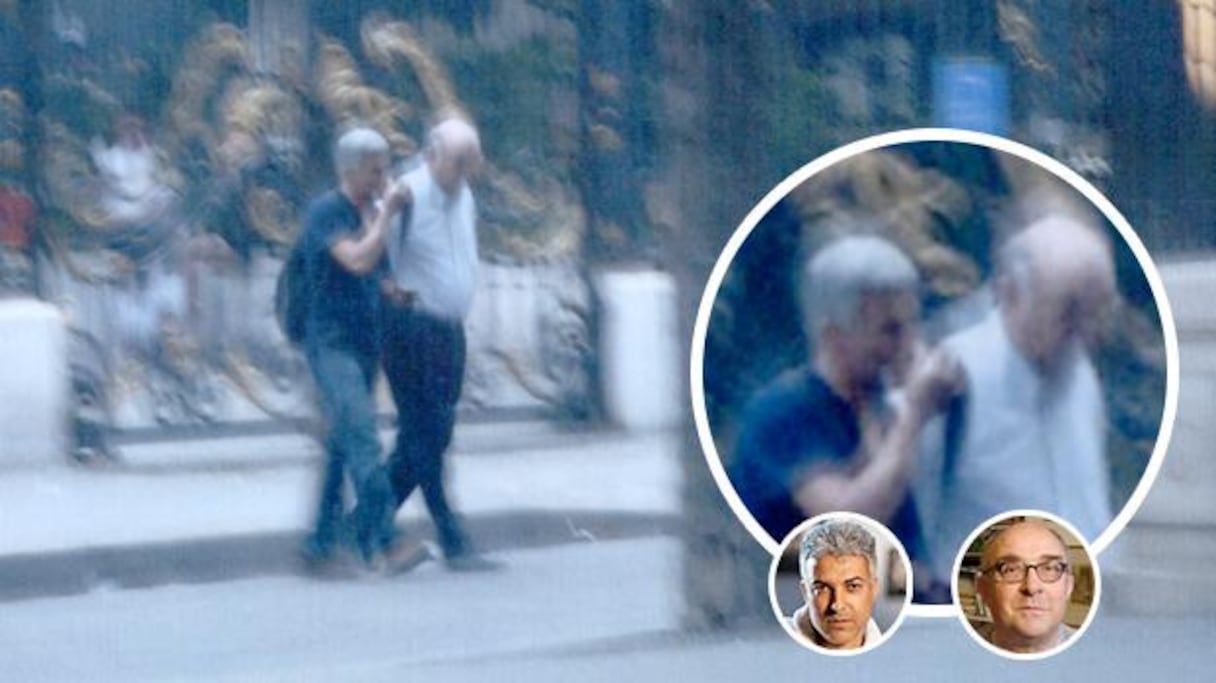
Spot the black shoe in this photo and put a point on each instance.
(471, 562)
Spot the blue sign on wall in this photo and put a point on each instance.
(971, 93)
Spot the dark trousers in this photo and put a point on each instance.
(424, 358)
(344, 382)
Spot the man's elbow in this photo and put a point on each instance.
(352, 262)
(361, 267)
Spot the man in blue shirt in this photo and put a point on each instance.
(343, 243)
(826, 437)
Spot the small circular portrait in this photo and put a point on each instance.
(1027, 585)
(932, 332)
(840, 584)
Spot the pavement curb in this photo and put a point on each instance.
(225, 558)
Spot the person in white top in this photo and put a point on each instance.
(1029, 432)
(432, 251)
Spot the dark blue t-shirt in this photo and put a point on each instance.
(345, 306)
(791, 426)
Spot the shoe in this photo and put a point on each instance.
(472, 562)
(406, 556)
(326, 566)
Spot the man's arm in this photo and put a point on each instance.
(361, 253)
(878, 481)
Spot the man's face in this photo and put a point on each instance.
(1026, 614)
(367, 180)
(883, 331)
(840, 595)
(451, 168)
(1060, 318)
(1064, 298)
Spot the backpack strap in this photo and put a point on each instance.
(955, 429)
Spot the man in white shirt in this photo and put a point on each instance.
(432, 250)
(1030, 430)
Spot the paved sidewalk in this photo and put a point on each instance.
(1114, 650)
(285, 628)
(203, 509)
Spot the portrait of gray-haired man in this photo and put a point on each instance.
(839, 567)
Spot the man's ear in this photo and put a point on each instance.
(980, 590)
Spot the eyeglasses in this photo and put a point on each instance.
(1014, 571)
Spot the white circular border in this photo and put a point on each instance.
(874, 527)
(1112, 214)
(1093, 605)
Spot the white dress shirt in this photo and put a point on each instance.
(1027, 442)
(435, 255)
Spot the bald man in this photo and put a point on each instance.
(433, 253)
(1026, 581)
(1029, 430)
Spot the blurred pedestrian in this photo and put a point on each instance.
(826, 436)
(433, 253)
(1030, 429)
(343, 248)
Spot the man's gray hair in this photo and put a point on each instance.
(835, 537)
(453, 135)
(1020, 260)
(989, 538)
(840, 274)
(1015, 263)
(354, 146)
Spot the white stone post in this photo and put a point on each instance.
(34, 392)
(1162, 562)
(640, 367)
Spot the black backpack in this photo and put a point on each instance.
(293, 294)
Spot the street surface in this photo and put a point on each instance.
(294, 628)
(594, 611)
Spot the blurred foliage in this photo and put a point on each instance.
(799, 117)
(513, 94)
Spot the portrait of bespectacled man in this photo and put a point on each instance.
(1026, 586)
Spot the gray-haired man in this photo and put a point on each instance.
(839, 568)
(343, 248)
(824, 437)
(433, 252)
(1032, 431)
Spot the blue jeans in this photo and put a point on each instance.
(344, 382)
